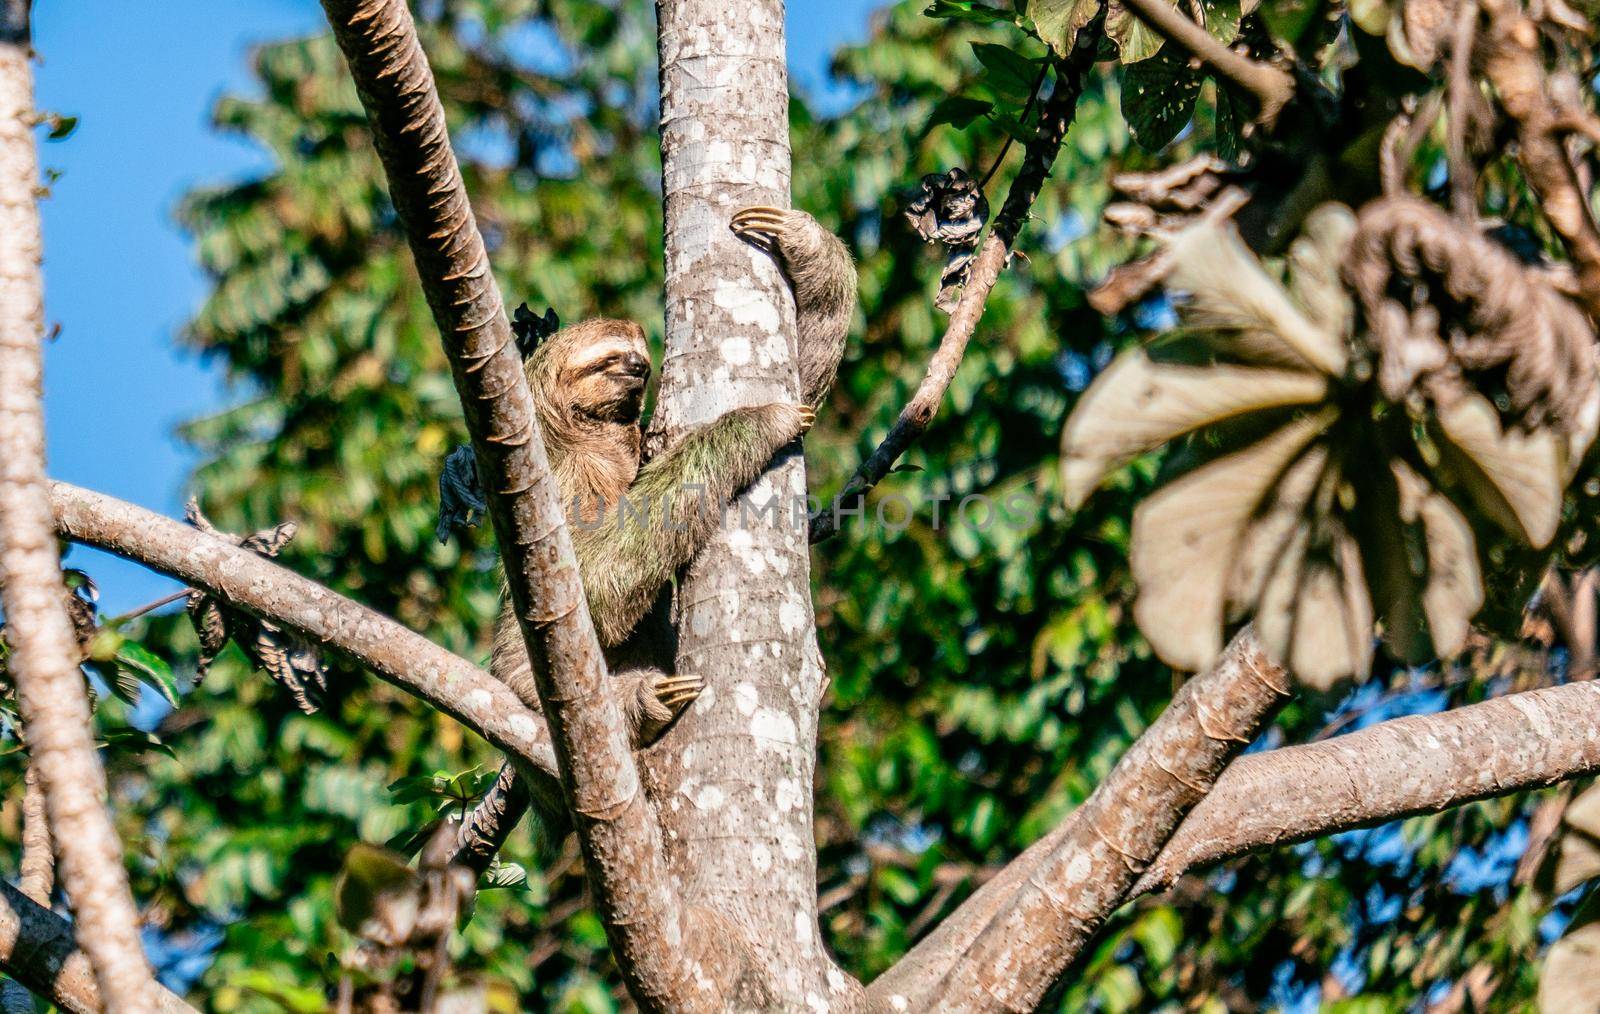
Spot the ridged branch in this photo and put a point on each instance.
(36, 874)
(1405, 766)
(51, 694)
(253, 583)
(1004, 947)
(616, 824)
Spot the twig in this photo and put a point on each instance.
(36, 876)
(1054, 119)
(1033, 96)
(1272, 87)
(139, 611)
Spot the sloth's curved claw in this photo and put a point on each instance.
(677, 690)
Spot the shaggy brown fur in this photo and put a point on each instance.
(588, 385)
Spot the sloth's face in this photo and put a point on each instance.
(606, 369)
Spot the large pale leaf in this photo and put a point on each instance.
(1272, 531)
(1315, 258)
(1138, 404)
(1453, 593)
(1514, 476)
(1187, 535)
(1315, 614)
(1569, 982)
(1231, 293)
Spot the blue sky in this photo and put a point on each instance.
(119, 276)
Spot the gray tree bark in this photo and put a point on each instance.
(51, 694)
(734, 777)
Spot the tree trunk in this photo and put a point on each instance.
(734, 776)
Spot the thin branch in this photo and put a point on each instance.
(148, 607)
(1040, 154)
(245, 580)
(1405, 766)
(37, 950)
(1004, 947)
(37, 874)
(616, 824)
(51, 694)
(1272, 87)
(486, 826)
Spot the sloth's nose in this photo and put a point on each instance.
(635, 365)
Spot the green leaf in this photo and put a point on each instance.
(959, 111)
(1222, 19)
(504, 875)
(128, 740)
(1013, 126)
(150, 668)
(965, 10)
(1059, 21)
(1158, 98)
(61, 127)
(1007, 72)
(1135, 40)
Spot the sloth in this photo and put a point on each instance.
(588, 383)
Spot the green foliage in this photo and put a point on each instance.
(984, 677)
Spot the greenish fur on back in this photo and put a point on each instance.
(633, 527)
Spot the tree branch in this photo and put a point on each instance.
(1272, 87)
(1405, 766)
(1038, 156)
(255, 584)
(1004, 947)
(37, 874)
(616, 823)
(51, 694)
(37, 950)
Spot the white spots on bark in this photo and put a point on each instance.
(522, 725)
(776, 727)
(479, 700)
(898, 1003)
(746, 699)
(790, 845)
(761, 858)
(1078, 869)
(789, 795)
(836, 980)
(745, 307)
(816, 1004)
(792, 616)
(710, 797)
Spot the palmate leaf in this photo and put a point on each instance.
(1515, 477)
(1138, 404)
(1229, 292)
(1187, 537)
(1453, 590)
